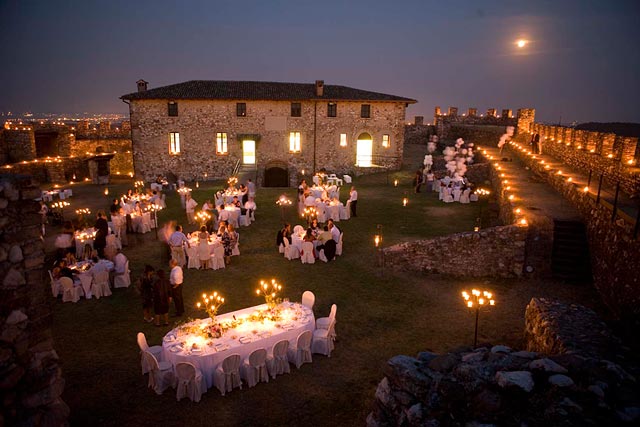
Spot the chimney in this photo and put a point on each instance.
(319, 88)
(142, 85)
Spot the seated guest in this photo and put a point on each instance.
(309, 237)
(286, 232)
(315, 227)
(115, 206)
(327, 244)
(309, 200)
(223, 215)
(335, 231)
(98, 266)
(207, 206)
(64, 270)
(250, 206)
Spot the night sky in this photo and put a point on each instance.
(581, 64)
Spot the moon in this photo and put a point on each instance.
(521, 43)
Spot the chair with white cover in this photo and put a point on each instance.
(321, 212)
(254, 368)
(68, 192)
(316, 180)
(56, 287)
(326, 322)
(347, 179)
(307, 253)
(300, 352)
(290, 251)
(345, 210)
(69, 291)
(227, 376)
(217, 259)
(245, 220)
(456, 194)
(122, 279)
(204, 256)
(111, 249)
(308, 299)
(62, 195)
(281, 247)
(156, 350)
(192, 254)
(145, 226)
(464, 197)
(235, 251)
(100, 286)
(161, 374)
(323, 340)
(448, 195)
(188, 382)
(163, 201)
(339, 245)
(277, 361)
(298, 229)
(86, 280)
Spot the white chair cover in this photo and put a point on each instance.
(325, 322)
(234, 217)
(281, 248)
(188, 382)
(277, 361)
(245, 221)
(204, 255)
(307, 253)
(473, 197)
(56, 287)
(308, 299)
(217, 259)
(235, 251)
(298, 229)
(68, 192)
(122, 279)
(456, 194)
(70, 292)
(254, 368)
(86, 279)
(345, 210)
(290, 251)
(321, 212)
(347, 179)
(321, 256)
(194, 260)
(163, 201)
(322, 341)
(100, 287)
(227, 375)
(300, 352)
(161, 374)
(448, 195)
(146, 222)
(156, 350)
(464, 197)
(339, 245)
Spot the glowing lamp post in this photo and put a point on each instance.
(283, 202)
(377, 241)
(476, 300)
(155, 208)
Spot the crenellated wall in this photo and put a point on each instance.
(614, 156)
(445, 122)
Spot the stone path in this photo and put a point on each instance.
(529, 191)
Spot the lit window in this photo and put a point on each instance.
(296, 109)
(332, 109)
(294, 142)
(343, 140)
(385, 141)
(365, 111)
(172, 108)
(221, 143)
(174, 143)
(241, 109)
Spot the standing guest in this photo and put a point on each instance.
(102, 229)
(250, 208)
(176, 278)
(223, 215)
(418, 180)
(203, 247)
(161, 295)
(115, 206)
(44, 210)
(120, 224)
(233, 237)
(284, 233)
(223, 234)
(190, 207)
(353, 197)
(430, 181)
(207, 206)
(244, 193)
(536, 144)
(251, 189)
(176, 242)
(335, 231)
(146, 291)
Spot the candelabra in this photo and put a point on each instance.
(283, 202)
(476, 300)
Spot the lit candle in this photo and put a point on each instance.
(405, 201)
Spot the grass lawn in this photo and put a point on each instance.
(378, 317)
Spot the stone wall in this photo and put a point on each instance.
(499, 250)
(445, 122)
(615, 253)
(269, 123)
(30, 378)
(53, 171)
(18, 144)
(603, 153)
(479, 135)
(122, 162)
(418, 133)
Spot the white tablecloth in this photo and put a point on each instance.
(212, 355)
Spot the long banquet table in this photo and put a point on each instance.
(177, 344)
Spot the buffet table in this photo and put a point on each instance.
(248, 329)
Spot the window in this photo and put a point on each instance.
(385, 141)
(294, 142)
(332, 109)
(241, 109)
(343, 140)
(174, 143)
(296, 109)
(221, 143)
(172, 109)
(365, 111)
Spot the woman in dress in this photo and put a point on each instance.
(203, 247)
(233, 237)
(146, 290)
(223, 234)
(161, 294)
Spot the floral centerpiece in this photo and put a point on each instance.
(270, 292)
(211, 304)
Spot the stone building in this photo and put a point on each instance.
(281, 131)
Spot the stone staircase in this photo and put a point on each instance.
(570, 255)
(246, 172)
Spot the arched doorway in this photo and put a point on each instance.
(276, 174)
(364, 150)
